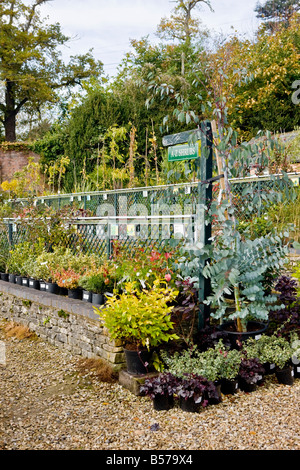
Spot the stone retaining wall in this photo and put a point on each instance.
(66, 323)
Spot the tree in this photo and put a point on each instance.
(181, 25)
(277, 12)
(31, 69)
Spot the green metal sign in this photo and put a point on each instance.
(183, 152)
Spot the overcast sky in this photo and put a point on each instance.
(107, 26)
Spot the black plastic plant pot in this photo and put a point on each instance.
(12, 278)
(86, 296)
(98, 299)
(52, 288)
(229, 387)
(42, 285)
(34, 284)
(18, 280)
(285, 376)
(297, 371)
(25, 281)
(75, 294)
(137, 361)
(163, 402)
(254, 330)
(246, 386)
(63, 291)
(4, 277)
(189, 405)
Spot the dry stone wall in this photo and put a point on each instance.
(66, 323)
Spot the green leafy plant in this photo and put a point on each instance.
(273, 349)
(239, 267)
(93, 282)
(21, 257)
(141, 319)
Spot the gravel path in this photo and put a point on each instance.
(46, 404)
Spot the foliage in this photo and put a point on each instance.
(270, 349)
(67, 278)
(144, 268)
(52, 225)
(163, 384)
(185, 311)
(285, 215)
(93, 282)
(276, 13)
(251, 370)
(238, 267)
(214, 364)
(198, 388)
(288, 316)
(20, 255)
(31, 66)
(297, 276)
(140, 318)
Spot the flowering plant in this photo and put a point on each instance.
(144, 268)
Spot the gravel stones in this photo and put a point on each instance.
(45, 404)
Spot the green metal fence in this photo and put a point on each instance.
(149, 218)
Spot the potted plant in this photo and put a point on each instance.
(195, 391)
(275, 351)
(227, 363)
(141, 320)
(251, 373)
(295, 345)
(238, 268)
(68, 279)
(94, 286)
(16, 263)
(161, 390)
(4, 254)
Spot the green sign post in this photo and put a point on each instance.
(183, 152)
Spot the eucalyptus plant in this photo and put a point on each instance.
(234, 263)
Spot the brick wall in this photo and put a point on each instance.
(14, 160)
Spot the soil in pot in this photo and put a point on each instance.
(229, 387)
(4, 277)
(137, 361)
(254, 330)
(163, 402)
(285, 376)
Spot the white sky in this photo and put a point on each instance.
(106, 26)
